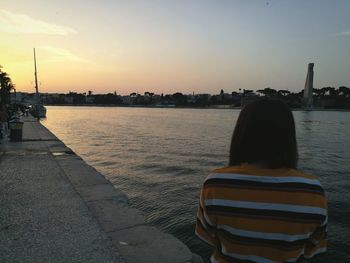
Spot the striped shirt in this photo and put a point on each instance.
(252, 214)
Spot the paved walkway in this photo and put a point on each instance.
(56, 208)
(42, 218)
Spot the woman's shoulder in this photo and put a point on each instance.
(252, 175)
(246, 169)
(299, 173)
(241, 169)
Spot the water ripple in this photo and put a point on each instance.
(160, 157)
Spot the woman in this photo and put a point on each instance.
(261, 208)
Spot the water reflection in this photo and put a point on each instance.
(160, 158)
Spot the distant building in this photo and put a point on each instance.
(16, 97)
(89, 99)
(202, 99)
(127, 100)
(22, 98)
(191, 99)
(68, 99)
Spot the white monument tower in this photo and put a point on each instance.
(308, 90)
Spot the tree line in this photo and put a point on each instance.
(6, 86)
(326, 97)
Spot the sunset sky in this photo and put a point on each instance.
(180, 45)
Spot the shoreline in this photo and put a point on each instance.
(215, 107)
(123, 226)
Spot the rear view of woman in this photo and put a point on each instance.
(261, 208)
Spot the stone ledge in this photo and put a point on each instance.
(102, 192)
(78, 172)
(125, 226)
(143, 244)
(114, 216)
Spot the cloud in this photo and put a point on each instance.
(20, 23)
(60, 54)
(50, 54)
(345, 33)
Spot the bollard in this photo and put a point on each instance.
(16, 130)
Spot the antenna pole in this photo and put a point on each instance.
(36, 78)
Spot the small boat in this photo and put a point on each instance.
(38, 110)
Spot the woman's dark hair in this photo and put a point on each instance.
(265, 132)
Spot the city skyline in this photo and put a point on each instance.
(174, 46)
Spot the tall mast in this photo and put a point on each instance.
(36, 79)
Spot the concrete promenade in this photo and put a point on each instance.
(56, 208)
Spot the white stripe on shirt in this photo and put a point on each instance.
(318, 251)
(266, 206)
(246, 257)
(264, 235)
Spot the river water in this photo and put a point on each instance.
(160, 157)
